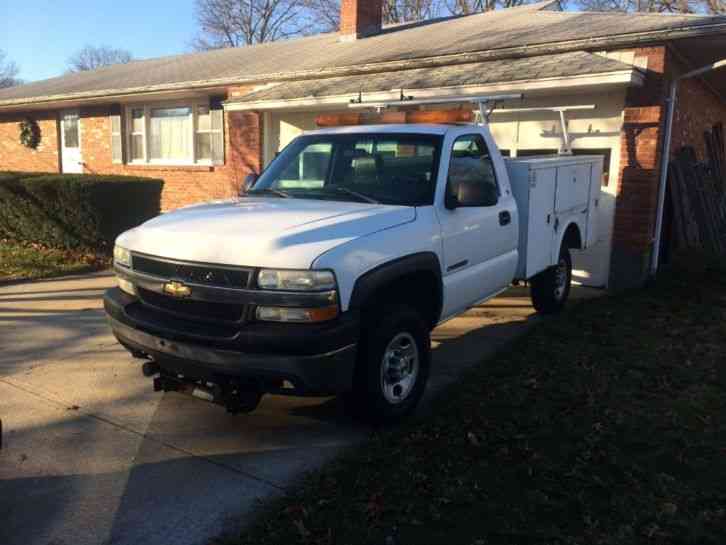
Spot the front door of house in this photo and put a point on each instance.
(71, 160)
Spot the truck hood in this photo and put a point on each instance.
(261, 232)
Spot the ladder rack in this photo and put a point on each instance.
(486, 105)
(483, 102)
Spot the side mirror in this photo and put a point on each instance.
(250, 180)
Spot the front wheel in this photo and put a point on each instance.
(551, 288)
(392, 367)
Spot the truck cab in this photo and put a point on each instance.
(329, 274)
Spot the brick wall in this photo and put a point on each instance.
(15, 156)
(640, 147)
(698, 108)
(182, 185)
(186, 184)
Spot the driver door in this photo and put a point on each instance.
(479, 234)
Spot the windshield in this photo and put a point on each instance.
(383, 168)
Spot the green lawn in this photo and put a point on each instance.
(19, 261)
(603, 425)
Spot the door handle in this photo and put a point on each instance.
(505, 218)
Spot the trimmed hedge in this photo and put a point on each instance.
(74, 210)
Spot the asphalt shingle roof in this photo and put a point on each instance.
(482, 73)
(515, 27)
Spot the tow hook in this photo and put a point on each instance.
(236, 398)
(150, 368)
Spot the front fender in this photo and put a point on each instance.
(389, 272)
(352, 260)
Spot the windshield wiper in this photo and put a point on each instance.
(352, 193)
(268, 191)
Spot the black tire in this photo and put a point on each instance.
(397, 326)
(549, 295)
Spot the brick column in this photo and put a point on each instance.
(641, 144)
(244, 146)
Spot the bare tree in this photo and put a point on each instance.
(401, 11)
(8, 72)
(656, 6)
(466, 7)
(327, 12)
(234, 23)
(90, 58)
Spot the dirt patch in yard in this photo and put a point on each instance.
(604, 425)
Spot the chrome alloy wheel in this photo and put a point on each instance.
(399, 369)
(561, 279)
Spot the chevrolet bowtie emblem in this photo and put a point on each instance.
(177, 289)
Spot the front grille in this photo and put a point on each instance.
(207, 275)
(153, 320)
(196, 310)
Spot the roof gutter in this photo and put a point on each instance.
(587, 44)
(665, 159)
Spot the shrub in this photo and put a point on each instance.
(74, 210)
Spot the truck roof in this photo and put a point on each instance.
(410, 128)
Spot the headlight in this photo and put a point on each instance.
(121, 256)
(296, 280)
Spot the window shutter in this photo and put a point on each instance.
(117, 140)
(216, 112)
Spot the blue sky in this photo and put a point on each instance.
(39, 35)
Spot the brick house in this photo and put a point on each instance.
(203, 121)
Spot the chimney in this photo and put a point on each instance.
(360, 18)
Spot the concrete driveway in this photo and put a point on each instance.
(91, 455)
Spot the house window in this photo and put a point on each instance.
(172, 134)
(205, 133)
(137, 131)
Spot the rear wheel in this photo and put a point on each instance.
(551, 288)
(393, 365)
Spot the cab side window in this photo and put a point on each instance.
(472, 179)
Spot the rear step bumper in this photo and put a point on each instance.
(320, 374)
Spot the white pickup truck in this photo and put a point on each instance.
(328, 276)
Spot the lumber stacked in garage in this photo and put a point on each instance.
(698, 195)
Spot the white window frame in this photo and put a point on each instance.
(147, 107)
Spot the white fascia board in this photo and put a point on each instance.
(542, 86)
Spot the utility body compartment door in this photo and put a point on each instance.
(553, 192)
(540, 221)
(573, 188)
(594, 211)
(479, 240)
